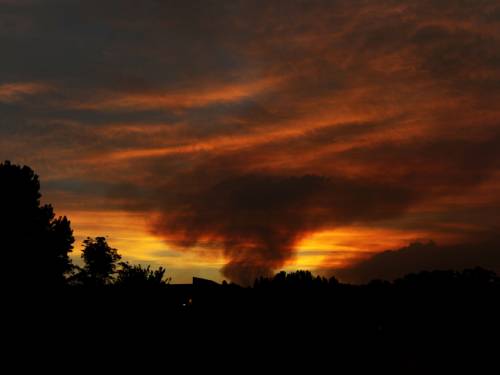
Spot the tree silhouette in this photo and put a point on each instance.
(139, 277)
(100, 261)
(34, 243)
(299, 279)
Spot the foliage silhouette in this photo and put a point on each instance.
(138, 277)
(100, 262)
(35, 243)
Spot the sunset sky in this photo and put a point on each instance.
(232, 139)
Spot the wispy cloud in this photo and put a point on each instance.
(17, 91)
(181, 98)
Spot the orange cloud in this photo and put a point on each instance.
(16, 91)
(181, 98)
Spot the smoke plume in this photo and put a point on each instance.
(258, 219)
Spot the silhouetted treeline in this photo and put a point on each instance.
(106, 292)
(36, 247)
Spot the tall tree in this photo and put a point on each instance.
(34, 243)
(100, 261)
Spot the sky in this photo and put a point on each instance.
(233, 139)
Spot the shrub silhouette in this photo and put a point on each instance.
(140, 277)
(35, 245)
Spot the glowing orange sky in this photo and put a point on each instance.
(122, 108)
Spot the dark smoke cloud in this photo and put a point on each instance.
(258, 219)
(429, 256)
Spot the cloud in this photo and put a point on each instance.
(171, 103)
(17, 91)
(419, 256)
(181, 99)
(258, 219)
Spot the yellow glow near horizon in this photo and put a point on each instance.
(129, 233)
(344, 246)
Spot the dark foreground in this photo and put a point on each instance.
(432, 322)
